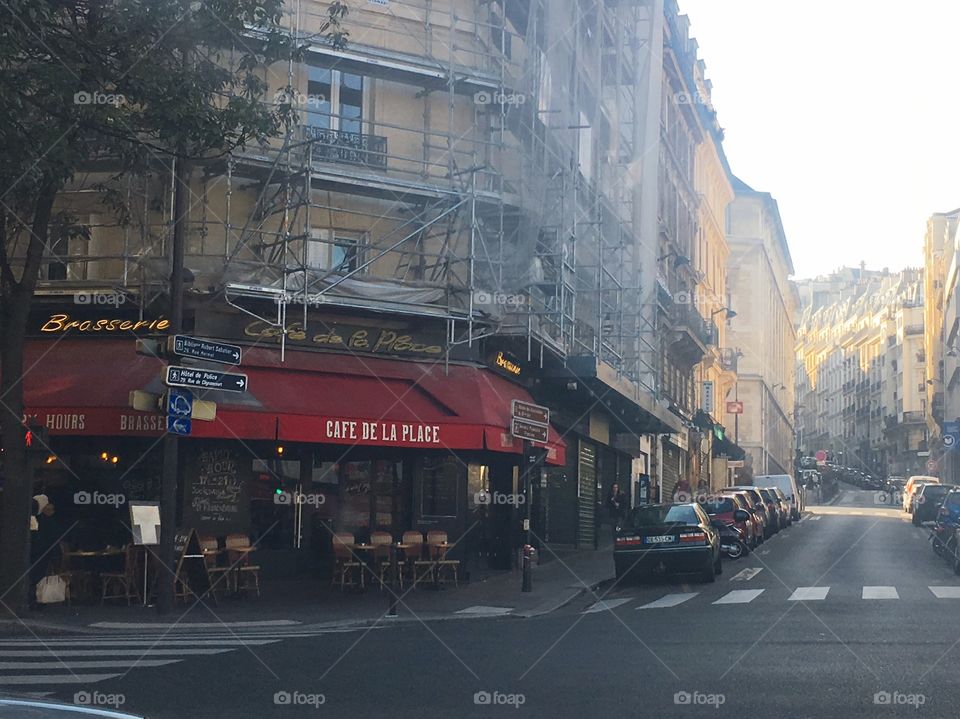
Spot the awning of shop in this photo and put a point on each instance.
(81, 387)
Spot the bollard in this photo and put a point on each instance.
(527, 568)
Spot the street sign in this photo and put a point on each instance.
(931, 465)
(735, 407)
(532, 413)
(179, 403)
(707, 397)
(951, 435)
(736, 463)
(199, 348)
(205, 379)
(178, 425)
(525, 429)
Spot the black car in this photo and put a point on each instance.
(928, 500)
(667, 539)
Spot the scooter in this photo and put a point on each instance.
(731, 540)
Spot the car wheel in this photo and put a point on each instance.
(710, 573)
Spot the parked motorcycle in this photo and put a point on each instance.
(731, 540)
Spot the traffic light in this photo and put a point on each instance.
(36, 439)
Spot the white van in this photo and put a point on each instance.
(786, 484)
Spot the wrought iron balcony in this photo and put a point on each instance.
(355, 148)
(692, 335)
(728, 359)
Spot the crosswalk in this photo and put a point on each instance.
(79, 661)
(798, 594)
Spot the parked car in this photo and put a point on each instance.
(926, 502)
(949, 511)
(756, 521)
(758, 502)
(728, 509)
(667, 539)
(784, 505)
(773, 508)
(911, 487)
(788, 485)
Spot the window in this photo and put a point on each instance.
(335, 100)
(333, 250)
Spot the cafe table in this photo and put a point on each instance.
(92, 554)
(364, 553)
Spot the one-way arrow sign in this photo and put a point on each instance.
(205, 379)
(199, 348)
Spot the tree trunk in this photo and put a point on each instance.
(15, 300)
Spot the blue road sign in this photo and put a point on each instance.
(951, 435)
(178, 425)
(180, 403)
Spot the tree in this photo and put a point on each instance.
(144, 83)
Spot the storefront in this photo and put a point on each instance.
(358, 427)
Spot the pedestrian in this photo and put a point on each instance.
(44, 542)
(616, 507)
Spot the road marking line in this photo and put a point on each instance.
(182, 626)
(764, 551)
(880, 593)
(809, 594)
(946, 592)
(740, 596)
(486, 611)
(605, 604)
(670, 600)
(746, 574)
(56, 678)
(96, 664)
(815, 517)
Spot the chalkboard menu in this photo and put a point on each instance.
(215, 493)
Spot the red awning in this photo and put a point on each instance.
(81, 387)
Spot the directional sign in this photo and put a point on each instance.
(179, 403)
(205, 379)
(735, 407)
(532, 413)
(524, 429)
(178, 425)
(199, 348)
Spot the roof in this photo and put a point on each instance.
(743, 189)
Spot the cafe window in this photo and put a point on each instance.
(438, 481)
(371, 496)
(478, 484)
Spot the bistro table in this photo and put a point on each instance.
(365, 554)
(237, 565)
(93, 554)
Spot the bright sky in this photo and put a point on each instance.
(846, 111)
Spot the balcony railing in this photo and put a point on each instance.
(728, 359)
(915, 329)
(354, 148)
(687, 316)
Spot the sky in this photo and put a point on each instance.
(846, 111)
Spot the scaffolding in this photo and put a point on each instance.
(472, 161)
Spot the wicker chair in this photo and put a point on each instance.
(347, 569)
(123, 584)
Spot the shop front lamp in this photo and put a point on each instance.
(104, 456)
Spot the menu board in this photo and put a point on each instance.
(215, 493)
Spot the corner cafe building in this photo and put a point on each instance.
(364, 419)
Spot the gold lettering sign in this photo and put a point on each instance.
(60, 323)
(505, 364)
(375, 340)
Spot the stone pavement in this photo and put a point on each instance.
(312, 602)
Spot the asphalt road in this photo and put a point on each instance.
(835, 617)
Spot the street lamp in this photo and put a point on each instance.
(681, 259)
(730, 313)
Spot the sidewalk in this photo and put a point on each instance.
(314, 603)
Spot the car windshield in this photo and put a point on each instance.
(663, 514)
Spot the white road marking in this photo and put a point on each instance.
(765, 551)
(605, 604)
(809, 594)
(880, 593)
(740, 596)
(946, 592)
(815, 517)
(670, 600)
(185, 626)
(108, 643)
(486, 611)
(746, 574)
(56, 678)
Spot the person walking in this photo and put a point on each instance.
(44, 543)
(616, 507)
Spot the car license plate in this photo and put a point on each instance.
(662, 539)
